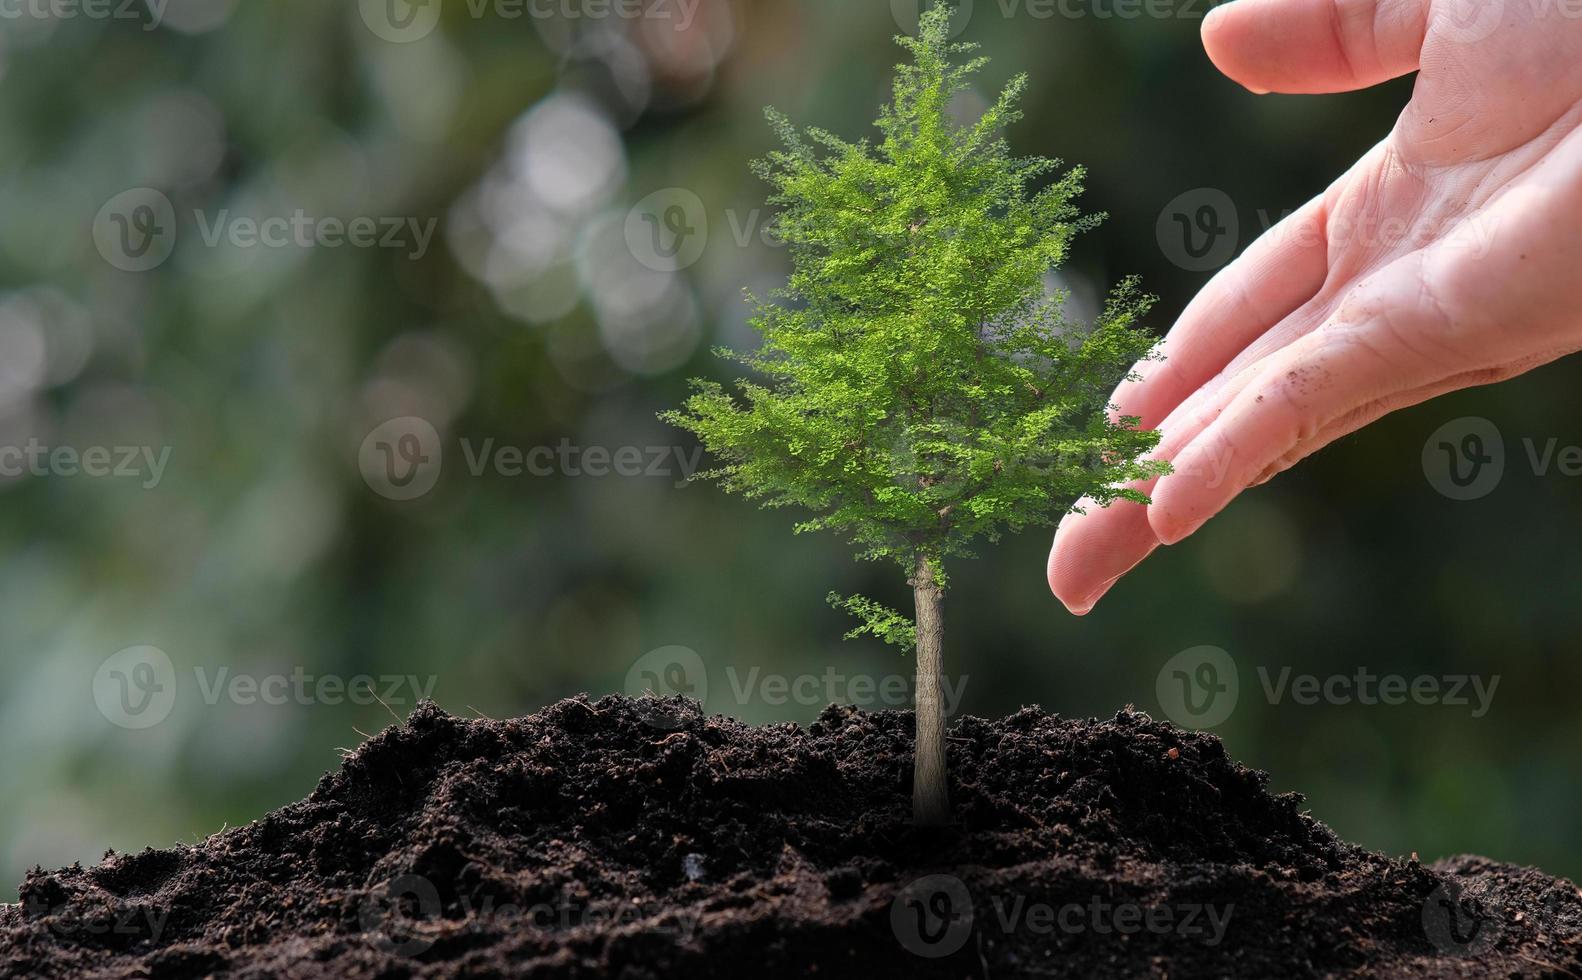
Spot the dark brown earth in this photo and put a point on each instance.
(636, 839)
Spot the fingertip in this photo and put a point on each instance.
(1075, 605)
(1093, 550)
(1175, 533)
(1212, 33)
(1061, 583)
(1086, 605)
(1147, 394)
(1218, 33)
(1065, 570)
(1180, 507)
(1314, 46)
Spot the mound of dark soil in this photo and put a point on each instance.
(636, 839)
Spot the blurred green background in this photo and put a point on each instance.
(266, 550)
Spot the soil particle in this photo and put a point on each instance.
(640, 839)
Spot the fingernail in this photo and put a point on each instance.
(1177, 537)
(1086, 605)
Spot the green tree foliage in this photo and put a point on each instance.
(924, 388)
(919, 388)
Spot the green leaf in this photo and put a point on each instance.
(877, 620)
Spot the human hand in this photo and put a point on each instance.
(1449, 256)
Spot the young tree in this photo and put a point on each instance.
(920, 387)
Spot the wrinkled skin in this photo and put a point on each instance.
(1449, 256)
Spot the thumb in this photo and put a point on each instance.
(1314, 46)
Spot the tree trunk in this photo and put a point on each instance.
(930, 802)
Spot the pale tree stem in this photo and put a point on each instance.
(930, 801)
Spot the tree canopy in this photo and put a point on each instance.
(919, 388)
